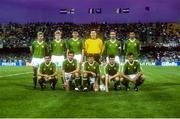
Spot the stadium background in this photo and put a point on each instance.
(156, 23)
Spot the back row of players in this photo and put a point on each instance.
(80, 62)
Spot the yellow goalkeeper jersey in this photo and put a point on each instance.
(93, 46)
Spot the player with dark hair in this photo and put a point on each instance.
(133, 71)
(132, 45)
(94, 46)
(112, 73)
(91, 74)
(70, 71)
(47, 73)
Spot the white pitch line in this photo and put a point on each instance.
(16, 74)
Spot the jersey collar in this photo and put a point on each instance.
(131, 63)
(112, 41)
(40, 42)
(58, 41)
(47, 64)
(112, 64)
(75, 39)
(132, 40)
(70, 61)
(92, 63)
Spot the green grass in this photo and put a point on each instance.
(159, 96)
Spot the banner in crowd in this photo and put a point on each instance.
(157, 63)
(18, 63)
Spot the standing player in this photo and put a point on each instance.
(112, 47)
(70, 71)
(94, 46)
(38, 50)
(76, 45)
(47, 73)
(58, 48)
(91, 73)
(112, 72)
(132, 45)
(132, 70)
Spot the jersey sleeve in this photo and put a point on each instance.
(119, 68)
(106, 69)
(138, 48)
(85, 66)
(86, 45)
(105, 49)
(101, 45)
(68, 43)
(138, 67)
(124, 68)
(46, 49)
(40, 68)
(54, 68)
(97, 69)
(82, 43)
(64, 65)
(125, 47)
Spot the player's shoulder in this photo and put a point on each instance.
(136, 62)
(53, 64)
(75, 60)
(99, 39)
(116, 64)
(34, 42)
(65, 61)
(96, 63)
(42, 64)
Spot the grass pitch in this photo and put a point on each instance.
(159, 96)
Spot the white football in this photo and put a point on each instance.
(102, 88)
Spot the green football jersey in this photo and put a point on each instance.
(112, 48)
(58, 48)
(133, 68)
(112, 69)
(75, 45)
(94, 67)
(133, 47)
(39, 50)
(48, 69)
(69, 66)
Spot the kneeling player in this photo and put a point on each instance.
(112, 72)
(91, 74)
(132, 71)
(70, 71)
(47, 73)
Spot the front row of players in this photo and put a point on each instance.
(88, 76)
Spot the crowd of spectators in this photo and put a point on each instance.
(151, 34)
(14, 35)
